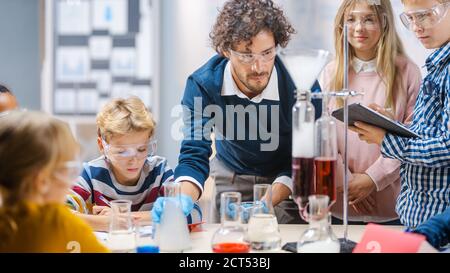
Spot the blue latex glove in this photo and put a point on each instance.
(246, 210)
(436, 229)
(187, 204)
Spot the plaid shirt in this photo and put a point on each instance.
(425, 161)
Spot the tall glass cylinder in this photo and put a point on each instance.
(326, 154)
(303, 114)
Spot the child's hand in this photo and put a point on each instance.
(368, 133)
(381, 110)
(101, 210)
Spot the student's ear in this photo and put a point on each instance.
(226, 54)
(42, 183)
(100, 144)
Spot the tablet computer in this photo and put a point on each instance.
(359, 112)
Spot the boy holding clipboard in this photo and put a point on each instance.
(425, 161)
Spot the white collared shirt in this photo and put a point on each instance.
(230, 88)
(364, 66)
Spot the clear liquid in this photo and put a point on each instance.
(122, 241)
(263, 233)
(328, 246)
(173, 231)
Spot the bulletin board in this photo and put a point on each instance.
(99, 50)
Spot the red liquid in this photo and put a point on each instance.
(231, 248)
(303, 178)
(326, 177)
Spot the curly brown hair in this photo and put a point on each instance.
(241, 20)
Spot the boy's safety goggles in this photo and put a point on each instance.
(123, 152)
(425, 18)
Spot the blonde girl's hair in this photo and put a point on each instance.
(388, 49)
(30, 143)
(412, 1)
(122, 116)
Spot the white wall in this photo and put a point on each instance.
(19, 50)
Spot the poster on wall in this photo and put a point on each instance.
(103, 49)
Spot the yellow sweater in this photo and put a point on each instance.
(50, 228)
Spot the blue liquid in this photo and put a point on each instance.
(147, 249)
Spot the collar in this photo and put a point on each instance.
(363, 66)
(438, 57)
(230, 88)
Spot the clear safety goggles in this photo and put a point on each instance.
(250, 58)
(368, 21)
(124, 152)
(424, 18)
(69, 171)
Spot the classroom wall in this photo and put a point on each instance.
(184, 43)
(19, 50)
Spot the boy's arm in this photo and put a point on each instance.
(436, 229)
(80, 195)
(97, 222)
(429, 152)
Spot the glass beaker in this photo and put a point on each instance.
(326, 153)
(121, 237)
(230, 237)
(319, 237)
(145, 238)
(262, 230)
(246, 211)
(173, 222)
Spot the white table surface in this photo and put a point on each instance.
(201, 241)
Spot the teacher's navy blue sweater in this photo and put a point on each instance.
(242, 155)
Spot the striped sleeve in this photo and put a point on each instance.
(80, 196)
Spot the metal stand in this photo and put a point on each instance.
(347, 245)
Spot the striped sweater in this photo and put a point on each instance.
(98, 186)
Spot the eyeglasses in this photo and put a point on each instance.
(125, 152)
(69, 171)
(367, 21)
(250, 58)
(424, 18)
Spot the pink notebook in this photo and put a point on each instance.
(379, 239)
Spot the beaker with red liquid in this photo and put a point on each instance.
(230, 237)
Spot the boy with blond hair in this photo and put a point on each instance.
(425, 161)
(128, 168)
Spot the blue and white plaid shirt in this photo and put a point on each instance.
(425, 168)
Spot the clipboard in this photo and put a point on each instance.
(359, 112)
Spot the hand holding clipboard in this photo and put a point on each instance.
(360, 113)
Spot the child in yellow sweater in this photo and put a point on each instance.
(38, 166)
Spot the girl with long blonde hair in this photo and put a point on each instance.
(380, 69)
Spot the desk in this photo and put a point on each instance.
(201, 241)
